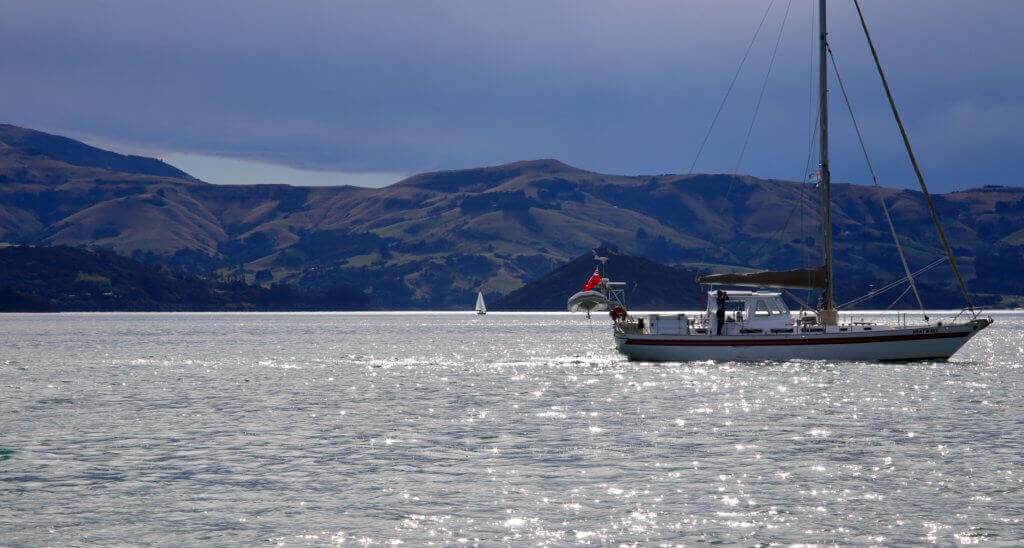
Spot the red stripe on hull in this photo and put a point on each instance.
(792, 341)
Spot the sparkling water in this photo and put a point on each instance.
(312, 429)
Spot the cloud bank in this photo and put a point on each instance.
(401, 87)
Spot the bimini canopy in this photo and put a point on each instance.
(800, 278)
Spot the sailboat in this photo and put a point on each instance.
(481, 308)
(757, 324)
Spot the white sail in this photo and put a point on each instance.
(481, 308)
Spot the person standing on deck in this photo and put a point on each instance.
(720, 299)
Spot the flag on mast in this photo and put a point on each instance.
(595, 279)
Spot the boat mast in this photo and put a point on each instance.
(828, 312)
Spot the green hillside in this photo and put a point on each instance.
(61, 278)
(434, 240)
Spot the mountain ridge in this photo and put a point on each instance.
(76, 153)
(434, 239)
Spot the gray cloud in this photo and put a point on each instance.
(612, 86)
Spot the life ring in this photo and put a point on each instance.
(618, 313)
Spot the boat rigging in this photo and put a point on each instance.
(756, 324)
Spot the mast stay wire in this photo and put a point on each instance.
(898, 298)
(892, 284)
(798, 205)
(728, 91)
(764, 85)
(714, 120)
(812, 131)
(913, 161)
(874, 180)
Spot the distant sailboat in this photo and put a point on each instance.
(481, 308)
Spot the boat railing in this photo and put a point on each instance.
(630, 327)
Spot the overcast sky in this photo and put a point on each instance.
(365, 92)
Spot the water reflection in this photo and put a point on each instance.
(372, 429)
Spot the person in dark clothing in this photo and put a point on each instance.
(720, 298)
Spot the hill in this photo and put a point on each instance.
(650, 286)
(49, 279)
(76, 153)
(433, 240)
(654, 286)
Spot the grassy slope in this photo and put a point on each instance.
(444, 235)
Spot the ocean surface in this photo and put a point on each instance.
(314, 429)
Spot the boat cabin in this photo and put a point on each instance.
(746, 313)
(755, 308)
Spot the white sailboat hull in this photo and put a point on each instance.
(921, 343)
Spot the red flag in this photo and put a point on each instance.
(593, 281)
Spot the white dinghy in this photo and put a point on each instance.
(587, 301)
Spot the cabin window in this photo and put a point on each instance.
(761, 309)
(778, 306)
(734, 311)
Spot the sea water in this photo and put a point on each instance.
(312, 429)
